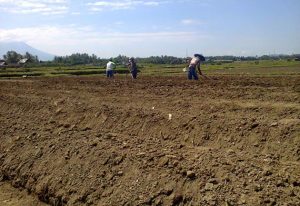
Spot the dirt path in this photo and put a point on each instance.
(155, 141)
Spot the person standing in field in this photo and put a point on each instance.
(195, 63)
(132, 68)
(110, 66)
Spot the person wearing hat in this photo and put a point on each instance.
(195, 63)
(132, 68)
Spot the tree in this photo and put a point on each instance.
(30, 58)
(12, 57)
(121, 59)
(77, 59)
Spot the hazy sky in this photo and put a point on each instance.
(154, 27)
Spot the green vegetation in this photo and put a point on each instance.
(56, 71)
(265, 67)
(84, 64)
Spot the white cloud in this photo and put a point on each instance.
(64, 40)
(96, 9)
(151, 3)
(191, 22)
(118, 5)
(75, 13)
(44, 7)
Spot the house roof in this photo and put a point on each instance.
(2, 62)
(23, 61)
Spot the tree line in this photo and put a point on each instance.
(86, 59)
(12, 57)
(77, 59)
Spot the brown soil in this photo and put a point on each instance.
(234, 140)
(10, 196)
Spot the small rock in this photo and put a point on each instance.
(243, 123)
(254, 125)
(256, 144)
(120, 173)
(58, 111)
(213, 181)
(190, 174)
(230, 151)
(110, 176)
(209, 186)
(274, 124)
(38, 153)
(163, 161)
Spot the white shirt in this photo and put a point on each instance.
(194, 61)
(110, 66)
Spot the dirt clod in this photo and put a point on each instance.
(190, 174)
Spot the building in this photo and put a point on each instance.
(3, 63)
(23, 61)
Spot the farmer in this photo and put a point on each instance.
(132, 68)
(110, 66)
(195, 63)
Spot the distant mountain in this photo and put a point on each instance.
(22, 48)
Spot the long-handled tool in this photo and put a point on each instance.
(206, 77)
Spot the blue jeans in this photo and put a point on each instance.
(192, 73)
(110, 73)
(134, 74)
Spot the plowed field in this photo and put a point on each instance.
(232, 140)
